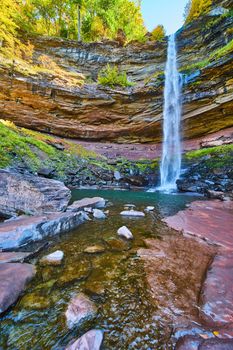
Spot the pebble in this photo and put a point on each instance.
(98, 214)
(125, 232)
(53, 258)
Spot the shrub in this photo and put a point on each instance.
(111, 76)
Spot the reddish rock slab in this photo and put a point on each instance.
(217, 292)
(197, 343)
(8, 257)
(175, 268)
(13, 279)
(91, 340)
(211, 220)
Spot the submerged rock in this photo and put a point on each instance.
(125, 232)
(134, 213)
(53, 258)
(13, 277)
(91, 340)
(31, 194)
(80, 309)
(34, 301)
(74, 273)
(94, 249)
(117, 245)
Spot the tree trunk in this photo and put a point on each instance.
(79, 23)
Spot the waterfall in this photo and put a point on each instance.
(171, 158)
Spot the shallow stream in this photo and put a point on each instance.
(113, 279)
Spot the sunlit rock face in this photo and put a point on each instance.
(132, 114)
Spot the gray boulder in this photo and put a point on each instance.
(27, 229)
(28, 194)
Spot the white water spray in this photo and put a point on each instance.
(171, 159)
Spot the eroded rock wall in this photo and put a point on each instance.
(94, 112)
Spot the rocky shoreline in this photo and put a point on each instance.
(195, 295)
(203, 320)
(38, 209)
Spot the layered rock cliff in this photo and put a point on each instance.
(133, 114)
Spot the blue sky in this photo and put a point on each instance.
(166, 12)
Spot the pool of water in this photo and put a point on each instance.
(114, 280)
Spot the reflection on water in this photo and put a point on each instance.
(114, 279)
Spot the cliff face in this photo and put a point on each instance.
(134, 114)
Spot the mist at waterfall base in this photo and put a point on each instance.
(170, 167)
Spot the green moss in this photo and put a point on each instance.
(215, 55)
(209, 151)
(212, 158)
(22, 146)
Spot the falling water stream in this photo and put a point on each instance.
(171, 158)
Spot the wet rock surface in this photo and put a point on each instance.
(175, 267)
(198, 343)
(212, 221)
(13, 277)
(28, 194)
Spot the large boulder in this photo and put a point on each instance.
(13, 277)
(30, 194)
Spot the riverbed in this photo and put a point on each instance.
(114, 279)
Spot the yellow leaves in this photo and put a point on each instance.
(158, 33)
(198, 8)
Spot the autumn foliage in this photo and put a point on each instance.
(158, 33)
(196, 8)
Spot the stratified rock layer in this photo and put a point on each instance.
(28, 194)
(134, 114)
